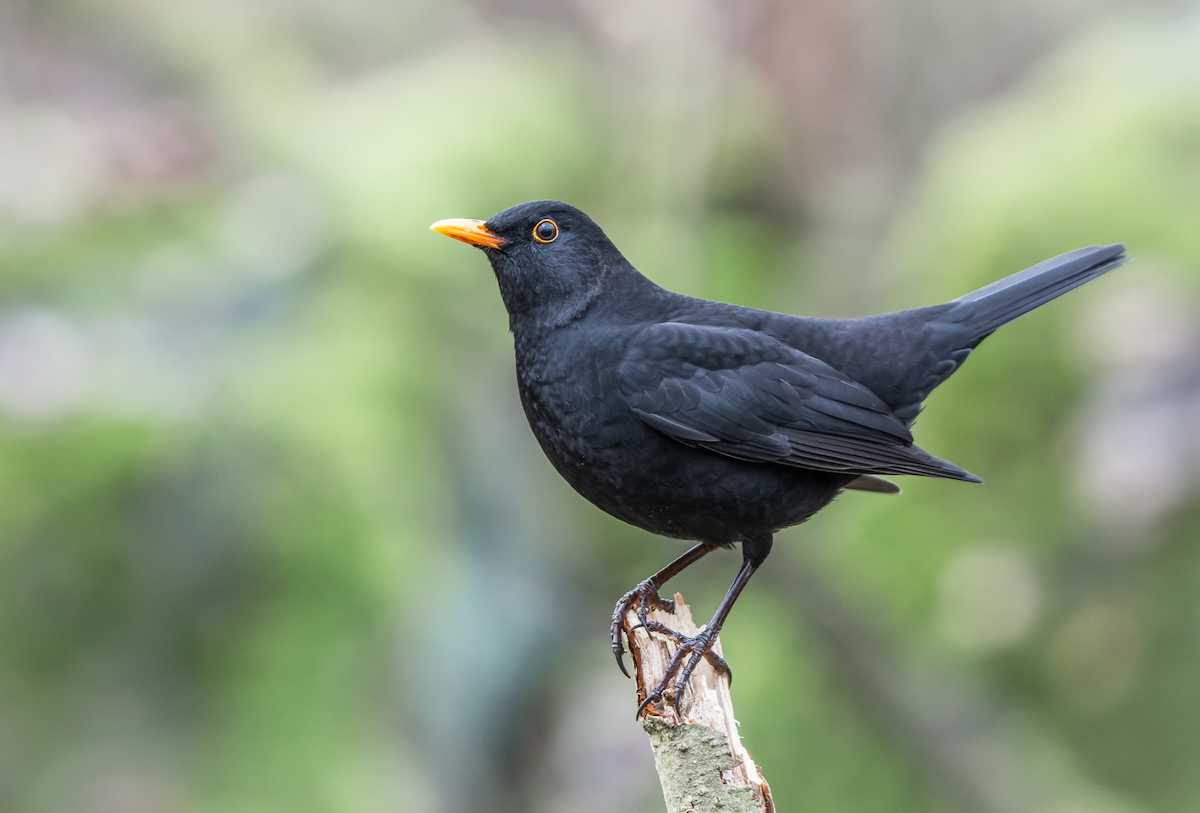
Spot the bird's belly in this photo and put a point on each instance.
(648, 480)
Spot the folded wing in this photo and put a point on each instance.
(743, 394)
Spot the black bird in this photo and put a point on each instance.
(717, 423)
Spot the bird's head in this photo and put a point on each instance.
(551, 260)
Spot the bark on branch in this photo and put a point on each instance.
(700, 760)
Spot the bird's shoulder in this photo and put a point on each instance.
(707, 346)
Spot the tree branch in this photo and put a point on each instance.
(701, 762)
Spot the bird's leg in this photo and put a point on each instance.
(754, 552)
(646, 595)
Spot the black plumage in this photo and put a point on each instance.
(719, 423)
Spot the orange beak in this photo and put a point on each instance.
(472, 232)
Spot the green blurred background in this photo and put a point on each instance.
(274, 535)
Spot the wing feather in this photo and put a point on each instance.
(743, 394)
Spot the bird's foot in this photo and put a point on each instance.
(687, 657)
(646, 595)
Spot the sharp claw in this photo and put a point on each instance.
(694, 649)
(618, 649)
(650, 698)
(621, 663)
(618, 621)
(646, 596)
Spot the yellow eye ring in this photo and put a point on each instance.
(546, 231)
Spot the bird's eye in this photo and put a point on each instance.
(546, 231)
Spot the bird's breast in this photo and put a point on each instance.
(569, 394)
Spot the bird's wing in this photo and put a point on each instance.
(743, 394)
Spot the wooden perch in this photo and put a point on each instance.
(700, 759)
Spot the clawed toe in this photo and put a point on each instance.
(680, 670)
(646, 595)
(689, 650)
(651, 698)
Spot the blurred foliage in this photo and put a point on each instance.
(273, 533)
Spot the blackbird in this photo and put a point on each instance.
(717, 423)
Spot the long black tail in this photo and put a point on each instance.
(982, 311)
(954, 329)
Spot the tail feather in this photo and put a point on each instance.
(952, 330)
(982, 311)
(957, 327)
